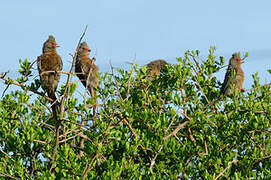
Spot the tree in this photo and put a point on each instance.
(164, 129)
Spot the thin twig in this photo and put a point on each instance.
(176, 130)
(6, 154)
(25, 87)
(224, 170)
(129, 84)
(6, 176)
(26, 73)
(156, 154)
(58, 72)
(88, 167)
(206, 148)
(117, 83)
(67, 139)
(130, 127)
(269, 84)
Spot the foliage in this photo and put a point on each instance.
(164, 129)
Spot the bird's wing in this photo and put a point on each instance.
(227, 81)
(85, 66)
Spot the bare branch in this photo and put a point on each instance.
(7, 176)
(176, 130)
(229, 165)
(156, 154)
(25, 87)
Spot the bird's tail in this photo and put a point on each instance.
(54, 103)
(55, 111)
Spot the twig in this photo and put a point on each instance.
(261, 149)
(156, 154)
(58, 72)
(128, 124)
(190, 135)
(258, 160)
(79, 134)
(269, 84)
(117, 83)
(6, 154)
(206, 148)
(88, 167)
(197, 63)
(6, 176)
(178, 139)
(130, 127)
(129, 84)
(229, 165)
(39, 141)
(5, 73)
(25, 87)
(176, 130)
(26, 73)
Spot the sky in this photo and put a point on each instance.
(123, 30)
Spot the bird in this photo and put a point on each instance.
(86, 70)
(154, 68)
(234, 77)
(49, 63)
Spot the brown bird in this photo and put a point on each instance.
(234, 77)
(86, 70)
(49, 61)
(154, 68)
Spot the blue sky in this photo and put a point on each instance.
(151, 29)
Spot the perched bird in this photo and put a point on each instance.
(86, 70)
(234, 77)
(154, 68)
(48, 65)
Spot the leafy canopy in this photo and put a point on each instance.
(163, 129)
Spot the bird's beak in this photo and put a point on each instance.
(87, 49)
(55, 44)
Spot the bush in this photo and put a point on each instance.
(175, 126)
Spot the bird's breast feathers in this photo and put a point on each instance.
(50, 62)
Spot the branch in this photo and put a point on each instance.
(269, 84)
(129, 84)
(176, 130)
(27, 88)
(88, 167)
(130, 127)
(6, 155)
(229, 165)
(117, 83)
(6, 176)
(156, 154)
